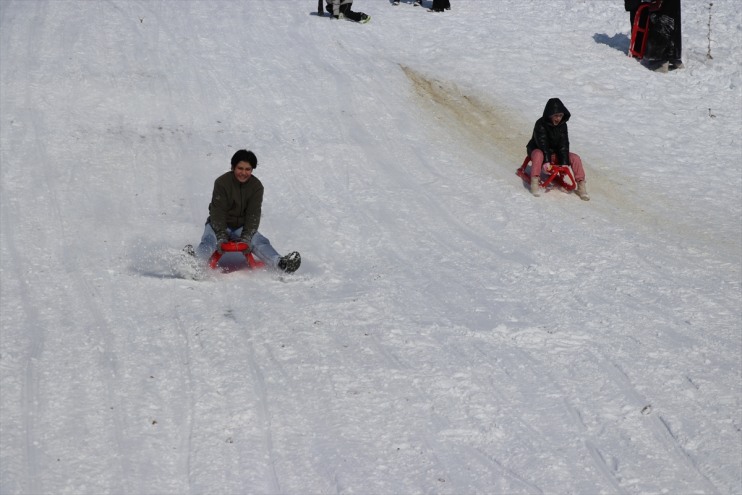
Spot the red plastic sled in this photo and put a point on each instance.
(639, 32)
(559, 175)
(235, 247)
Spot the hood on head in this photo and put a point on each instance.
(555, 105)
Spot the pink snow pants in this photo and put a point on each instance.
(537, 161)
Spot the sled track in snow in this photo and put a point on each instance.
(666, 439)
(492, 128)
(502, 134)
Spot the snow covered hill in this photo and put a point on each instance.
(447, 332)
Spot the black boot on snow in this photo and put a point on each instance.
(290, 263)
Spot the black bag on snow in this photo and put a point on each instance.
(659, 42)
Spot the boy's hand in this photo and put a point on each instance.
(219, 242)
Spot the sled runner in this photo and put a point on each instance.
(559, 175)
(639, 32)
(235, 247)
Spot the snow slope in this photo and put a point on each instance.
(447, 333)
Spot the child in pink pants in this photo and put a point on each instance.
(551, 138)
(537, 161)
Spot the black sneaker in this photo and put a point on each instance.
(290, 263)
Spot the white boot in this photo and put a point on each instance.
(582, 191)
(535, 187)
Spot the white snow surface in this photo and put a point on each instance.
(447, 332)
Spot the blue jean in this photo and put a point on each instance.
(260, 245)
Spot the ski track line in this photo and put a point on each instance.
(434, 450)
(453, 455)
(439, 454)
(594, 453)
(200, 366)
(456, 452)
(507, 362)
(30, 380)
(30, 386)
(31, 383)
(28, 479)
(186, 358)
(264, 416)
(89, 293)
(659, 427)
(108, 361)
(507, 472)
(438, 451)
(602, 466)
(36, 337)
(279, 367)
(214, 403)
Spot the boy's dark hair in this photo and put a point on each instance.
(244, 156)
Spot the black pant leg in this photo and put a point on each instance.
(347, 12)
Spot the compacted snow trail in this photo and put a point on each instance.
(446, 333)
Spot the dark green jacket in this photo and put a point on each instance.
(235, 205)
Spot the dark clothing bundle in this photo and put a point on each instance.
(235, 204)
(549, 138)
(337, 7)
(441, 5)
(665, 41)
